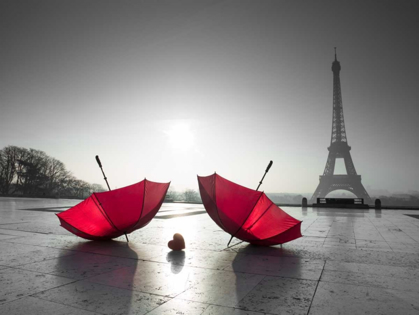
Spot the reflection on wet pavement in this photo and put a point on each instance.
(348, 261)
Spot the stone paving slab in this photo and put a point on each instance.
(288, 267)
(198, 258)
(8, 237)
(277, 295)
(148, 277)
(20, 254)
(338, 298)
(13, 232)
(177, 306)
(15, 283)
(223, 288)
(45, 227)
(103, 299)
(35, 306)
(55, 241)
(392, 258)
(370, 280)
(221, 310)
(372, 269)
(347, 262)
(79, 265)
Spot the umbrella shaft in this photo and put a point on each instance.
(104, 177)
(260, 183)
(230, 240)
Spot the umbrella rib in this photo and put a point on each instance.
(215, 201)
(260, 216)
(269, 238)
(253, 208)
(160, 202)
(92, 236)
(142, 207)
(104, 212)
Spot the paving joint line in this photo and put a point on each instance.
(315, 290)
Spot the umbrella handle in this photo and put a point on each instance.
(269, 166)
(104, 176)
(267, 170)
(98, 161)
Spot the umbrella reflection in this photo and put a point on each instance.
(96, 259)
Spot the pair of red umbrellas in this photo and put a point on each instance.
(244, 213)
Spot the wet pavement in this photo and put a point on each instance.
(348, 262)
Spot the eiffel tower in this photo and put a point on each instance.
(339, 149)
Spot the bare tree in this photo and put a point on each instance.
(56, 174)
(8, 157)
(97, 188)
(191, 195)
(172, 195)
(34, 173)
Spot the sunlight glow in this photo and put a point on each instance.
(181, 136)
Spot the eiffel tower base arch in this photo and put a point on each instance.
(351, 183)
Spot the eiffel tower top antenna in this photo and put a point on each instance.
(338, 122)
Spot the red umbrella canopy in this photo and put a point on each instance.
(110, 214)
(246, 214)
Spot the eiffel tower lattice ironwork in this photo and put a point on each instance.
(339, 148)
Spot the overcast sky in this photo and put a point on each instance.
(171, 89)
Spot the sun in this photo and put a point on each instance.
(181, 136)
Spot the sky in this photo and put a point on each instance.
(169, 90)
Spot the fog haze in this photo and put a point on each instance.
(171, 89)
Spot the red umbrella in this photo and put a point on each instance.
(246, 214)
(110, 214)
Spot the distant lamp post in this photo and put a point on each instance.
(377, 204)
